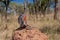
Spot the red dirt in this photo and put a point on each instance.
(32, 34)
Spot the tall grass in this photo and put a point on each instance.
(46, 25)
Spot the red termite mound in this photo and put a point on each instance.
(31, 34)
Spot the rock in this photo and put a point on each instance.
(32, 34)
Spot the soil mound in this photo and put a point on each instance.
(31, 34)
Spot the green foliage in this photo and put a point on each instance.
(2, 7)
(39, 5)
(17, 7)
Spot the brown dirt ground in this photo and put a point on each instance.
(31, 34)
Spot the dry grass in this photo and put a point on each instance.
(46, 25)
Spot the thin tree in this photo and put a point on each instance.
(25, 3)
(55, 10)
(6, 2)
(35, 2)
(48, 8)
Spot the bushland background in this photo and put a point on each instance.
(42, 14)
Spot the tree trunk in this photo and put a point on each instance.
(35, 7)
(48, 8)
(6, 2)
(6, 18)
(55, 10)
(25, 3)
